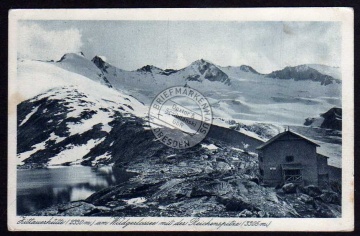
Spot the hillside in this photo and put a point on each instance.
(69, 114)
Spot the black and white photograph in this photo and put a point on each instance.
(164, 119)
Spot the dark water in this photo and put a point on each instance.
(40, 188)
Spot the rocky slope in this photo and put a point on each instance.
(69, 116)
(209, 180)
(65, 126)
(332, 119)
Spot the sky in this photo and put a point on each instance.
(129, 45)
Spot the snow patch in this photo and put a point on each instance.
(55, 138)
(25, 155)
(106, 128)
(136, 200)
(74, 153)
(237, 149)
(105, 156)
(29, 115)
(85, 125)
(209, 146)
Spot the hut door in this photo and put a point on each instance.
(293, 175)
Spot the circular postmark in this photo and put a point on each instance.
(180, 117)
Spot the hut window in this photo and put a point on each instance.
(260, 158)
(289, 158)
(261, 171)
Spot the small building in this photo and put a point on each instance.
(291, 158)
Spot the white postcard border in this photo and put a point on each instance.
(343, 15)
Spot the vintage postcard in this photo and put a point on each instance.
(181, 120)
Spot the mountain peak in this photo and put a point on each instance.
(71, 56)
(246, 68)
(301, 68)
(201, 62)
(304, 72)
(80, 54)
(208, 71)
(98, 58)
(150, 69)
(99, 62)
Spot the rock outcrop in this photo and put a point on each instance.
(332, 119)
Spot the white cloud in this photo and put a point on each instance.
(35, 42)
(266, 46)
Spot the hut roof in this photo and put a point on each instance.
(295, 136)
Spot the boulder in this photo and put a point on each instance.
(255, 180)
(262, 214)
(208, 169)
(213, 188)
(241, 187)
(245, 213)
(250, 184)
(312, 191)
(330, 197)
(306, 198)
(235, 203)
(289, 188)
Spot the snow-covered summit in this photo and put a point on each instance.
(100, 63)
(303, 72)
(200, 70)
(332, 71)
(77, 63)
(246, 68)
(72, 56)
(201, 65)
(300, 68)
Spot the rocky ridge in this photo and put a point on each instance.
(303, 72)
(332, 119)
